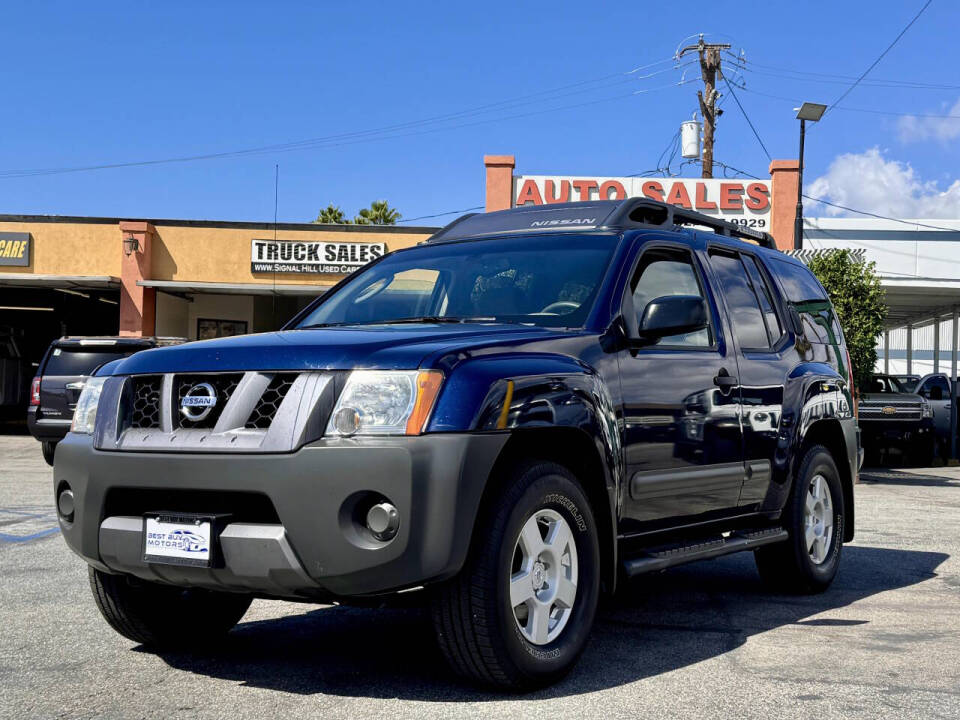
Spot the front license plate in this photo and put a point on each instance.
(178, 539)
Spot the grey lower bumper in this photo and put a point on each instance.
(313, 550)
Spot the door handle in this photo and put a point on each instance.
(724, 380)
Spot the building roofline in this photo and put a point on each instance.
(231, 224)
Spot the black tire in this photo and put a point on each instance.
(475, 624)
(48, 448)
(162, 616)
(788, 566)
(922, 452)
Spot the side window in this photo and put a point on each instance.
(663, 272)
(744, 306)
(762, 290)
(936, 388)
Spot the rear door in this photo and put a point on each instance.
(761, 344)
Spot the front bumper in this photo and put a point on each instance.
(310, 546)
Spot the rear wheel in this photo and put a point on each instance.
(807, 562)
(48, 448)
(164, 616)
(520, 612)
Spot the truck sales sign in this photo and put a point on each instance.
(312, 256)
(746, 202)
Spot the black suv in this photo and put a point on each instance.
(507, 419)
(60, 377)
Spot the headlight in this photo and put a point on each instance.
(86, 411)
(376, 402)
(927, 410)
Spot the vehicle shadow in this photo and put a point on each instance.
(929, 477)
(658, 623)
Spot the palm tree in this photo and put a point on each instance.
(379, 213)
(332, 215)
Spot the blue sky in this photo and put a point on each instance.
(100, 83)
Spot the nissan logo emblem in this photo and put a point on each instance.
(198, 402)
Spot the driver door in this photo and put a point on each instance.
(683, 441)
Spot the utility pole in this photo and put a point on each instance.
(709, 67)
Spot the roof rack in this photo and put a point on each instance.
(598, 215)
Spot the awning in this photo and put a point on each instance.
(918, 300)
(78, 282)
(180, 286)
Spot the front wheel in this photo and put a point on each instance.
(520, 612)
(164, 616)
(807, 561)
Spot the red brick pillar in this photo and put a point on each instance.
(138, 305)
(499, 181)
(784, 190)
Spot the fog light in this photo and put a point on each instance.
(383, 521)
(347, 421)
(65, 504)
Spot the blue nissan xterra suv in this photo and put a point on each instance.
(512, 417)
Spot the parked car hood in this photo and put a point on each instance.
(379, 347)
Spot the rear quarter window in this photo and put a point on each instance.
(807, 296)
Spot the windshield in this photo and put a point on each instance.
(885, 384)
(548, 281)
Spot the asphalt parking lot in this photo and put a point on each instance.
(705, 640)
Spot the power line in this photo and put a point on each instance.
(879, 58)
(318, 143)
(850, 109)
(747, 117)
(804, 76)
(450, 212)
(844, 207)
(382, 132)
(878, 216)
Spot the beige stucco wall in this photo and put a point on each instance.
(198, 254)
(69, 248)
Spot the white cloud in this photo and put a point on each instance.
(914, 128)
(868, 181)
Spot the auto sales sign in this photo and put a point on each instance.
(745, 202)
(312, 256)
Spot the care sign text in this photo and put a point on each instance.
(312, 256)
(15, 249)
(746, 202)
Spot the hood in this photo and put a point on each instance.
(375, 347)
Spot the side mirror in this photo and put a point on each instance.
(672, 315)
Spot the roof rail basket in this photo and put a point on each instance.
(644, 211)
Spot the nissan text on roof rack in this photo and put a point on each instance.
(505, 421)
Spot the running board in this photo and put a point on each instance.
(661, 558)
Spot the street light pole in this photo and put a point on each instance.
(812, 112)
(798, 220)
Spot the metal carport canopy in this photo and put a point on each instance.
(916, 301)
(183, 286)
